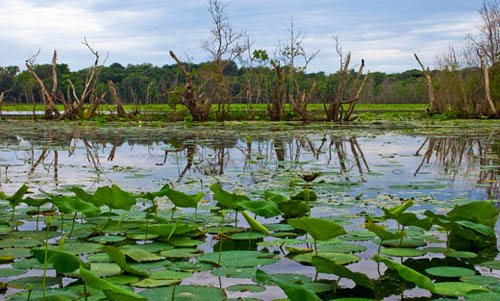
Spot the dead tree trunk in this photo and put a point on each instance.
(120, 111)
(1, 100)
(198, 108)
(432, 95)
(486, 75)
(356, 95)
(48, 97)
(334, 111)
(275, 110)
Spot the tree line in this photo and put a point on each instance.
(466, 82)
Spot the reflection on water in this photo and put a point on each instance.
(251, 157)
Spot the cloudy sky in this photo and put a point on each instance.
(383, 32)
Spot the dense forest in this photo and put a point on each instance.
(146, 83)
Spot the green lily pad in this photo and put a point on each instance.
(279, 227)
(461, 254)
(240, 258)
(180, 253)
(495, 265)
(225, 229)
(456, 289)
(80, 248)
(151, 247)
(183, 241)
(279, 242)
(99, 257)
(449, 271)
(37, 294)
(341, 248)
(406, 243)
(20, 243)
(437, 250)
(480, 279)
(36, 282)
(146, 283)
(122, 279)
(169, 275)
(186, 293)
(100, 269)
(230, 272)
(482, 296)
(30, 263)
(252, 288)
(16, 252)
(142, 236)
(139, 255)
(303, 281)
(9, 272)
(188, 266)
(402, 252)
(151, 265)
(247, 235)
(107, 239)
(338, 258)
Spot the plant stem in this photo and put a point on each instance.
(49, 221)
(12, 215)
(173, 211)
(109, 218)
(173, 293)
(401, 240)
(236, 219)
(315, 247)
(85, 291)
(221, 238)
(73, 225)
(147, 227)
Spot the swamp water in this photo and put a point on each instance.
(362, 170)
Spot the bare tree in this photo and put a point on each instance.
(49, 98)
(223, 48)
(290, 54)
(275, 110)
(335, 110)
(197, 103)
(432, 95)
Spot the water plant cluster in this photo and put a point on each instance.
(114, 244)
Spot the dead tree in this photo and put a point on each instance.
(275, 109)
(120, 111)
(198, 105)
(49, 98)
(1, 100)
(74, 105)
(355, 96)
(432, 95)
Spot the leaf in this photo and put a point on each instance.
(68, 205)
(239, 258)
(114, 197)
(325, 265)
(118, 257)
(180, 199)
(36, 202)
(168, 229)
(226, 199)
(402, 252)
(117, 293)
(63, 262)
(83, 195)
(263, 208)
(139, 255)
(407, 273)
(398, 210)
(380, 231)
(294, 209)
(485, 213)
(305, 195)
(255, 224)
(17, 197)
(456, 288)
(293, 291)
(449, 271)
(320, 229)
(479, 228)
(152, 195)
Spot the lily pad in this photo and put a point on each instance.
(252, 288)
(9, 272)
(30, 263)
(180, 253)
(101, 270)
(240, 258)
(99, 257)
(146, 283)
(480, 279)
(122, 279)
(184, 241)
(151, 247)
(230, 272)
(107, 239)
(139, 255)
(495, 265)
(247, 236)
(461, 254)
(225, 229)
(449, 271)
(402, 252)
(186, 293)
(342, 248)
(169, 275)
(482, 296)
(456, 289)
(36, 282)
(338, 258)
(16, 252)
(80, 248)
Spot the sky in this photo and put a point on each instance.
(385, 33)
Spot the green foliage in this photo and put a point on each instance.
(320, 229)
(113, 292)
(325, 265)
(62, 262)
(293, 291)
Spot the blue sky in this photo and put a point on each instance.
(383, 32)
